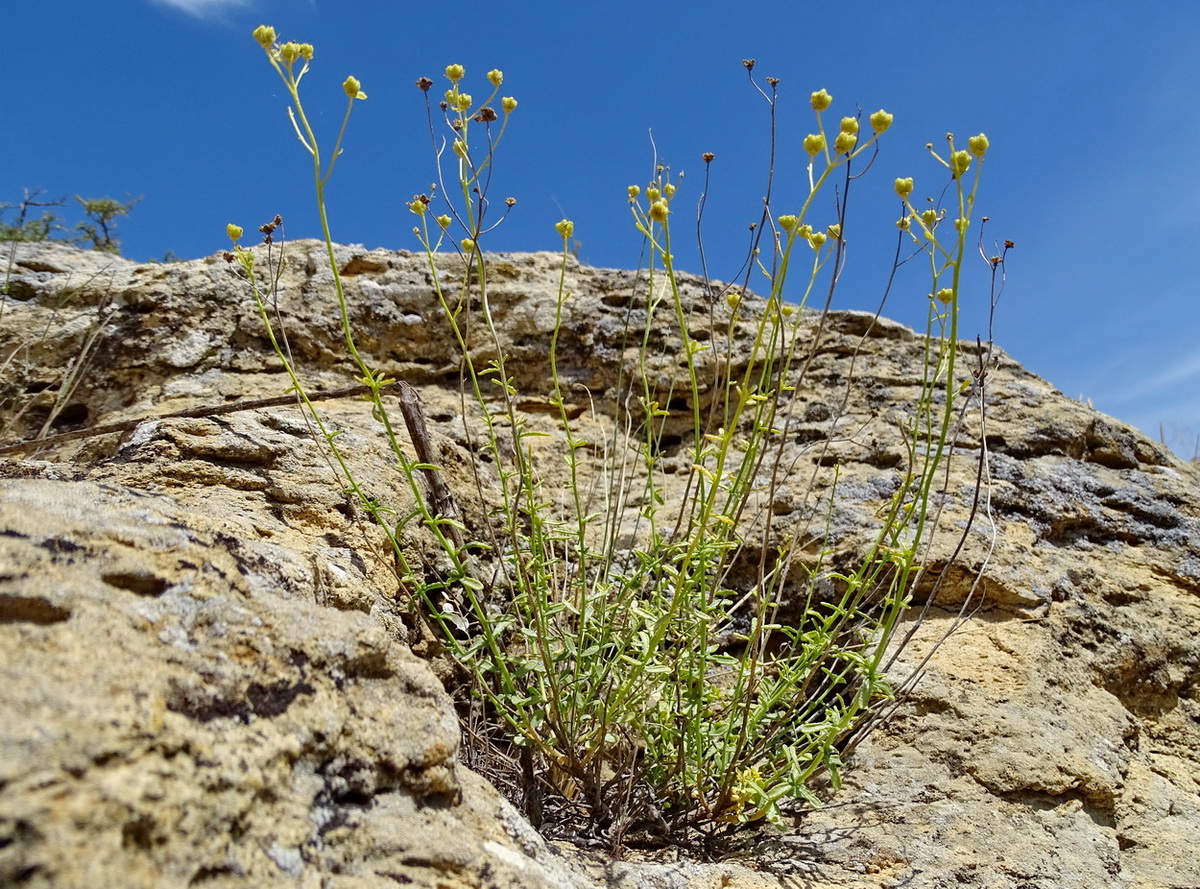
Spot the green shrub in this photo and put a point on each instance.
(618, 665)
(99, 228)
(25, 228)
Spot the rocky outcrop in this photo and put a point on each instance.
(206, 668)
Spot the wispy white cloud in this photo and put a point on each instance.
(1181, 371)
(1164, 405)
(202, 9)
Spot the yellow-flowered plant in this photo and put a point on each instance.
(605, 666)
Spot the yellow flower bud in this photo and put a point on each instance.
(904, 187)
(417, 206)
(353, 88)
(821, 100)
(464, 101)
(978, 145)
(653, 194)
(467, 245)
(834, 231)
(659, 211)
(265, 35)
(495, 77)
(845, 142)
(814, 143)
(455, 72)
(929, 217)
(444, 221)
(306, 51)
(508, 103)
(234, 232)
(903, 224)
(805, 231)
(849, 125)
(945, 296)
(669, 189)
(634, 191)
(880, 121)
(961, 224)
(959, 162)
(787, 223)
(817, 240)
(566, 228)
(289, 52)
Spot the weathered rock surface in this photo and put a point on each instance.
(205, 676)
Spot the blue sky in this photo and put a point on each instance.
(1090, 107)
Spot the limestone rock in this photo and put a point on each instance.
(205, 676)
